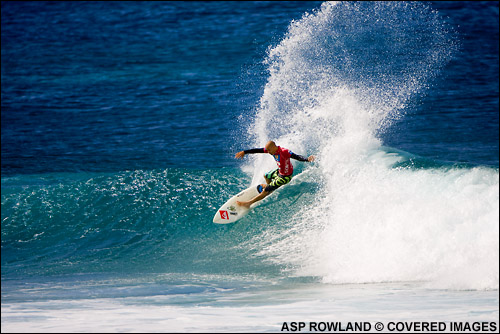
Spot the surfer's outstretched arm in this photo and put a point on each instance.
(301, 158)
(241, 154)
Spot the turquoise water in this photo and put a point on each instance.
(120, 122)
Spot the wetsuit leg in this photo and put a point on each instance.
(270, 176)
(278, 182)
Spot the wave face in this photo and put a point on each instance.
(338, 79)
(156, 221)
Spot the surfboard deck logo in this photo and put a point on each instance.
(223, 214)
(231, 212)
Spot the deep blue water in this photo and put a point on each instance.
(457, 120)
(116, 86)
(120, 121)
(121, 86)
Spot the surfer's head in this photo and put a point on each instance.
(271, 147)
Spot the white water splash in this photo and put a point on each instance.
(339, 77)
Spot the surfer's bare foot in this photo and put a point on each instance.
(245, 204)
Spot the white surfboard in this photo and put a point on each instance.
(231, 212)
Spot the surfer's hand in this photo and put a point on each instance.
(240, 155)
(311, 158)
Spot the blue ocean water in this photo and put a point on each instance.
(120, 121)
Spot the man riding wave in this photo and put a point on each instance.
(275, 178)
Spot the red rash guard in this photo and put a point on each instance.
(282, 158)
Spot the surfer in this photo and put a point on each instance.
(275, 178)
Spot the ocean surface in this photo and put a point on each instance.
(120, 122)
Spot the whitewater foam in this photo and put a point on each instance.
(372, 221)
